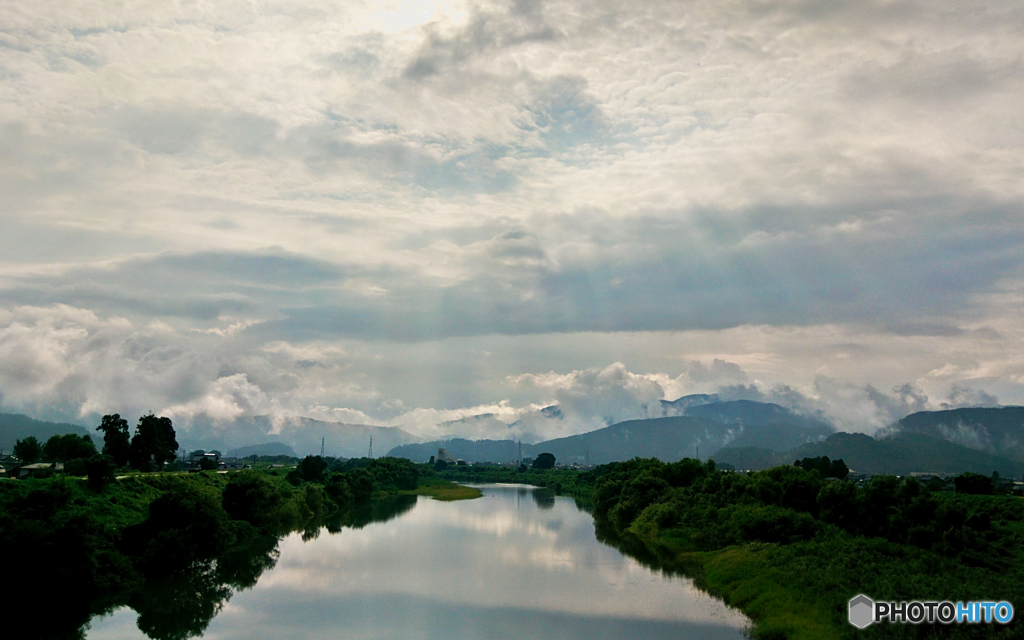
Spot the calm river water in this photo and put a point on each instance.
(517, 563)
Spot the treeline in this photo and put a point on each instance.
(559, 480)
(79, 550)
(153, 444)
(790, 549)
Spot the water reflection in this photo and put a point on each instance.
(516, 562)
(182, 605)
(545, 498)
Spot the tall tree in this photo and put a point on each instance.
(116, 442)
(153, 441)
(28, 450)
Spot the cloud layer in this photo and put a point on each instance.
(410, 213)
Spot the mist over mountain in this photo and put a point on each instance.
(679, 406)
(264, 449)
(996, 430)
(303, 435)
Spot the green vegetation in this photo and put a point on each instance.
(900, 454)
(443, 490)
(69, 446)
(175, 546)
(154, 443)
(558, 480)
(544, 461)
(789, 549)
(826, 468)
(28, 450)
(116, 442)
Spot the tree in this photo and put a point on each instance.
(28, 450)
(311, 469)
(544, 461)
(825, 467)
(116, 442)
(61, 448)
(153, 441)
(973, 483)
(100, 470)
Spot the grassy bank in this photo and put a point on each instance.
(789, 549)
(444, 490)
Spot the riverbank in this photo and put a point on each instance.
(77, 550)
(789, 549)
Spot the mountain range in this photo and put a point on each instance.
(898, 454)
(998, 430)
(14, 427)
(744, 433)
(702, 429)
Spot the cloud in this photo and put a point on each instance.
(429, 201)
(963, 396)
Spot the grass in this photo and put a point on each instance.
(748, 577)
(744, 578)
(443, 490)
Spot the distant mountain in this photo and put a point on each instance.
(303, 435)
(500, 451)
(739, 423)
(895, 455)
(750, 412)
(668, 439)
(528, 427)
(14, 427)
(999, 430)
(266, 449)
(778, 437)
(678, 406)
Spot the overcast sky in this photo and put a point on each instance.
(409, 212)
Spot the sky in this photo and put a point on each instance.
(406, 213)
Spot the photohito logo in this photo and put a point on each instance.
(864, 611)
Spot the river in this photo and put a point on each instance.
(516, 563)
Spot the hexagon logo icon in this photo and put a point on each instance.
(862, 611)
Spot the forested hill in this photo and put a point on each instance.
(14, 427)
(667, 439)
(997, 430)
(895, 455)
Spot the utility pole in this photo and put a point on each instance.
(698, 452)
(370, 456)
(321, 447)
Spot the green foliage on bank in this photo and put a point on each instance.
(790, 549)
(93, 546)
